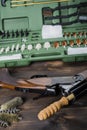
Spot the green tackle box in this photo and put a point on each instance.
(37, 30)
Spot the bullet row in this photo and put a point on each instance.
(71, 43)
(75, 34)
(38, 46)
(23, 47)
(13, 34)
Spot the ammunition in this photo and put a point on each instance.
(56, 44)
(17, 47)
(80, 34)
(69, 34)
(74, 34)
(64, 43)
(1, 50)
(84, 34)
(78, 42)
(38, 46)
(22, 47)
(65, 35)
(12, 48)
(71, 43)
(17, 101)
(47, 45)
(85, 42)
(7, 49)
(29, 47)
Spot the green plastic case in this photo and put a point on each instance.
(21, 27)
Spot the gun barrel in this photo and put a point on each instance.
(78, 89)
(83, 74)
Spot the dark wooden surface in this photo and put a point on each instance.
(73, 117)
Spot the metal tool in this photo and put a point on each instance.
(33, 3)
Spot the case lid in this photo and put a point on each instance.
(33, 14)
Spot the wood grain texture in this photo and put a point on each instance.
(73, 117)
(68, 118)
(51, 68)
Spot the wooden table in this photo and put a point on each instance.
(73, 117)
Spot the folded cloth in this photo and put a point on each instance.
(51, 31)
